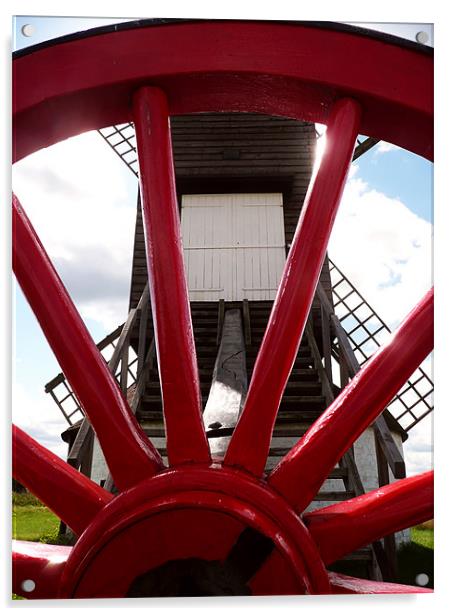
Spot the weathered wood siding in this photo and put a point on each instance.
(232, 153)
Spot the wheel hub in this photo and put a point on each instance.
(190, 577)
(187, 532)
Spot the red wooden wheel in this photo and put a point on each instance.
(186, 520)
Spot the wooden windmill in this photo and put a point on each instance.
(252, 323)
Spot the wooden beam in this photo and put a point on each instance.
(326, 341)
(388, 541)
(364, 147)
(59, 378)
(247, 322)
(140, 385)
(144, 317)
(389, 448)
(381, 564)
(80, 445)
(327, 389)
(229, 382)
(124, 366)
(393, 455)
(220, 320)
(85, 433)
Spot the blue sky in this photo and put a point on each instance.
(388, 180)
(401, 175)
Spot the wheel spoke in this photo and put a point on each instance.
(352, 524)
(358, 405)
(248, 554)
(38, 564)
(186, 438)
(130, 455)
(74, 498)
(346, 585)
(251, 439)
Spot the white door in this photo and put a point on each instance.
(233, 245)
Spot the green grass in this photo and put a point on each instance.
(423, 536)
(32, 521)
(25, 498)
(417, 557)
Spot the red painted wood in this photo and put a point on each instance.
(175, 345)
(189, 487)
(213, 66)
(345, 585)
(250, 441)
(70, 495)
(41, 563)
(130, 455)
(358, 405)
(223, 66)
(344, 527)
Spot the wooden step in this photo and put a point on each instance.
(286, 419)
(206, 351)
(303, 351)
(363, 554)
(335, 496)
(300, 362)
(201, 315)
(304, 374)
(295, 382)
(155, 428)
(299, 374)
(287, 402)
(298, 416)
(206, 363)
(153, 389)
(303, 388)
(294, 402)
(306, 390)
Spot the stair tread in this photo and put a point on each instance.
(285, 399)
(334, 495)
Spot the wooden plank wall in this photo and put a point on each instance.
(231, 153)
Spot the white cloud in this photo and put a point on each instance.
(386, 252)
(383, 146)
(418, 449)
(38, 416)
(383, 248)
(80, 197)
(86, 221)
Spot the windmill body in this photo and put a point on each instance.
(243, 428)
(241, 182)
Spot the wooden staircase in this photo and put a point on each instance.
(302, 403)
(205, 323)
(305, 397)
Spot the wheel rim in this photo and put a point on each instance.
(147, 87)
(225, 66)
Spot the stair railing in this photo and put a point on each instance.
(349, 367)
(387, 453)
(131, 375)
(383, 556)
(74, 414)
